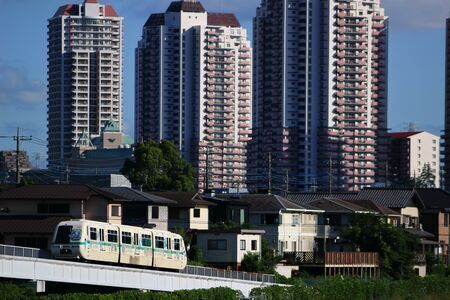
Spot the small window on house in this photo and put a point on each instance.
(295, 220)
(254, 245)
(93, 233)
(196, 212)
(217, 244)
(115, 210)
(243, 245)
(112, 236)
(155, 212)
(146, 240)
(159, 242)
(176, 244)
(446, 220)
(126, 238)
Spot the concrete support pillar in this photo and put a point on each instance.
(40, 286)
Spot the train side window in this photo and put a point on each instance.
(176, 244)
(93, 233)
(101, 233)
(159, 242)
(112, 236)
(136, 239)
(126, 238)
(146, 240)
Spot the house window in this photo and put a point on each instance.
(294, 246)
(295, 220)
(446, 219)
(270, 219)
(155, 212)
(243, 245)
(196, 212)
(217, 244)
(115, 210)
(242, 216)
(112, 236)
(93, 233)
(53, 208)
(126, 238)
(254, 245)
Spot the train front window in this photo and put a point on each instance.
(63, 235)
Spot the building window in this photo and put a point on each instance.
(446, 219)
(196, 212)
(295, 220)
(53, 208)
(254, 245)
(93, 233)
(126, 237)
(217, 244)
(242, 216)
(243, 245)
(115, 210)
(155, 212)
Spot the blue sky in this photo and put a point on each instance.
(416, 61)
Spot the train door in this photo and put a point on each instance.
(101, 238)
(169, 248)
(136, 248)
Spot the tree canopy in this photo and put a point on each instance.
(394, 245)
(265, 263)
(159, 166)
(426, 178)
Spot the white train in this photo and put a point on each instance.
(121, 244)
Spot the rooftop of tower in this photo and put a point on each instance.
(186, 6)
(74, 10)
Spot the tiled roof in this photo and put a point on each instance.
(434, 198)
(183, 199)
(223, 19)
(392, 198)
(338, 205)
(129, 194)
(110, 11)
(263, 202)
(155, 20)
(374, 206)
(67, 10)
(178, 6)
(402, 135)
(56, 192)
(305, 198)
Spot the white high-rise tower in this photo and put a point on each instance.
(84, 75)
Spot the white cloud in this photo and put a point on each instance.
(16, 88)
(417, 14)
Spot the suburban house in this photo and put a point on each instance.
(29, 214)
(228, 248)
(227, 211)
(435, 218)
(141, 208)
(288, 226)
(190, 211)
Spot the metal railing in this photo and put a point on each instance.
(21, 251)
(212, 272)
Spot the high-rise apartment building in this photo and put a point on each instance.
(193, 87)
(319, 94)
(409, 153)
(84, 75)
(446, 136)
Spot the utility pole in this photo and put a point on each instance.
(18, 138)
(270, 174)
(287, 182)
(330, 175)
(66, 174)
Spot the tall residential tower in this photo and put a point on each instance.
(446, 136)
(320, 89)
(193, 87)
(84, 75)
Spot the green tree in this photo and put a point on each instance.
(394, 245)
(426, 178)
(159, 166)
(261, 264)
